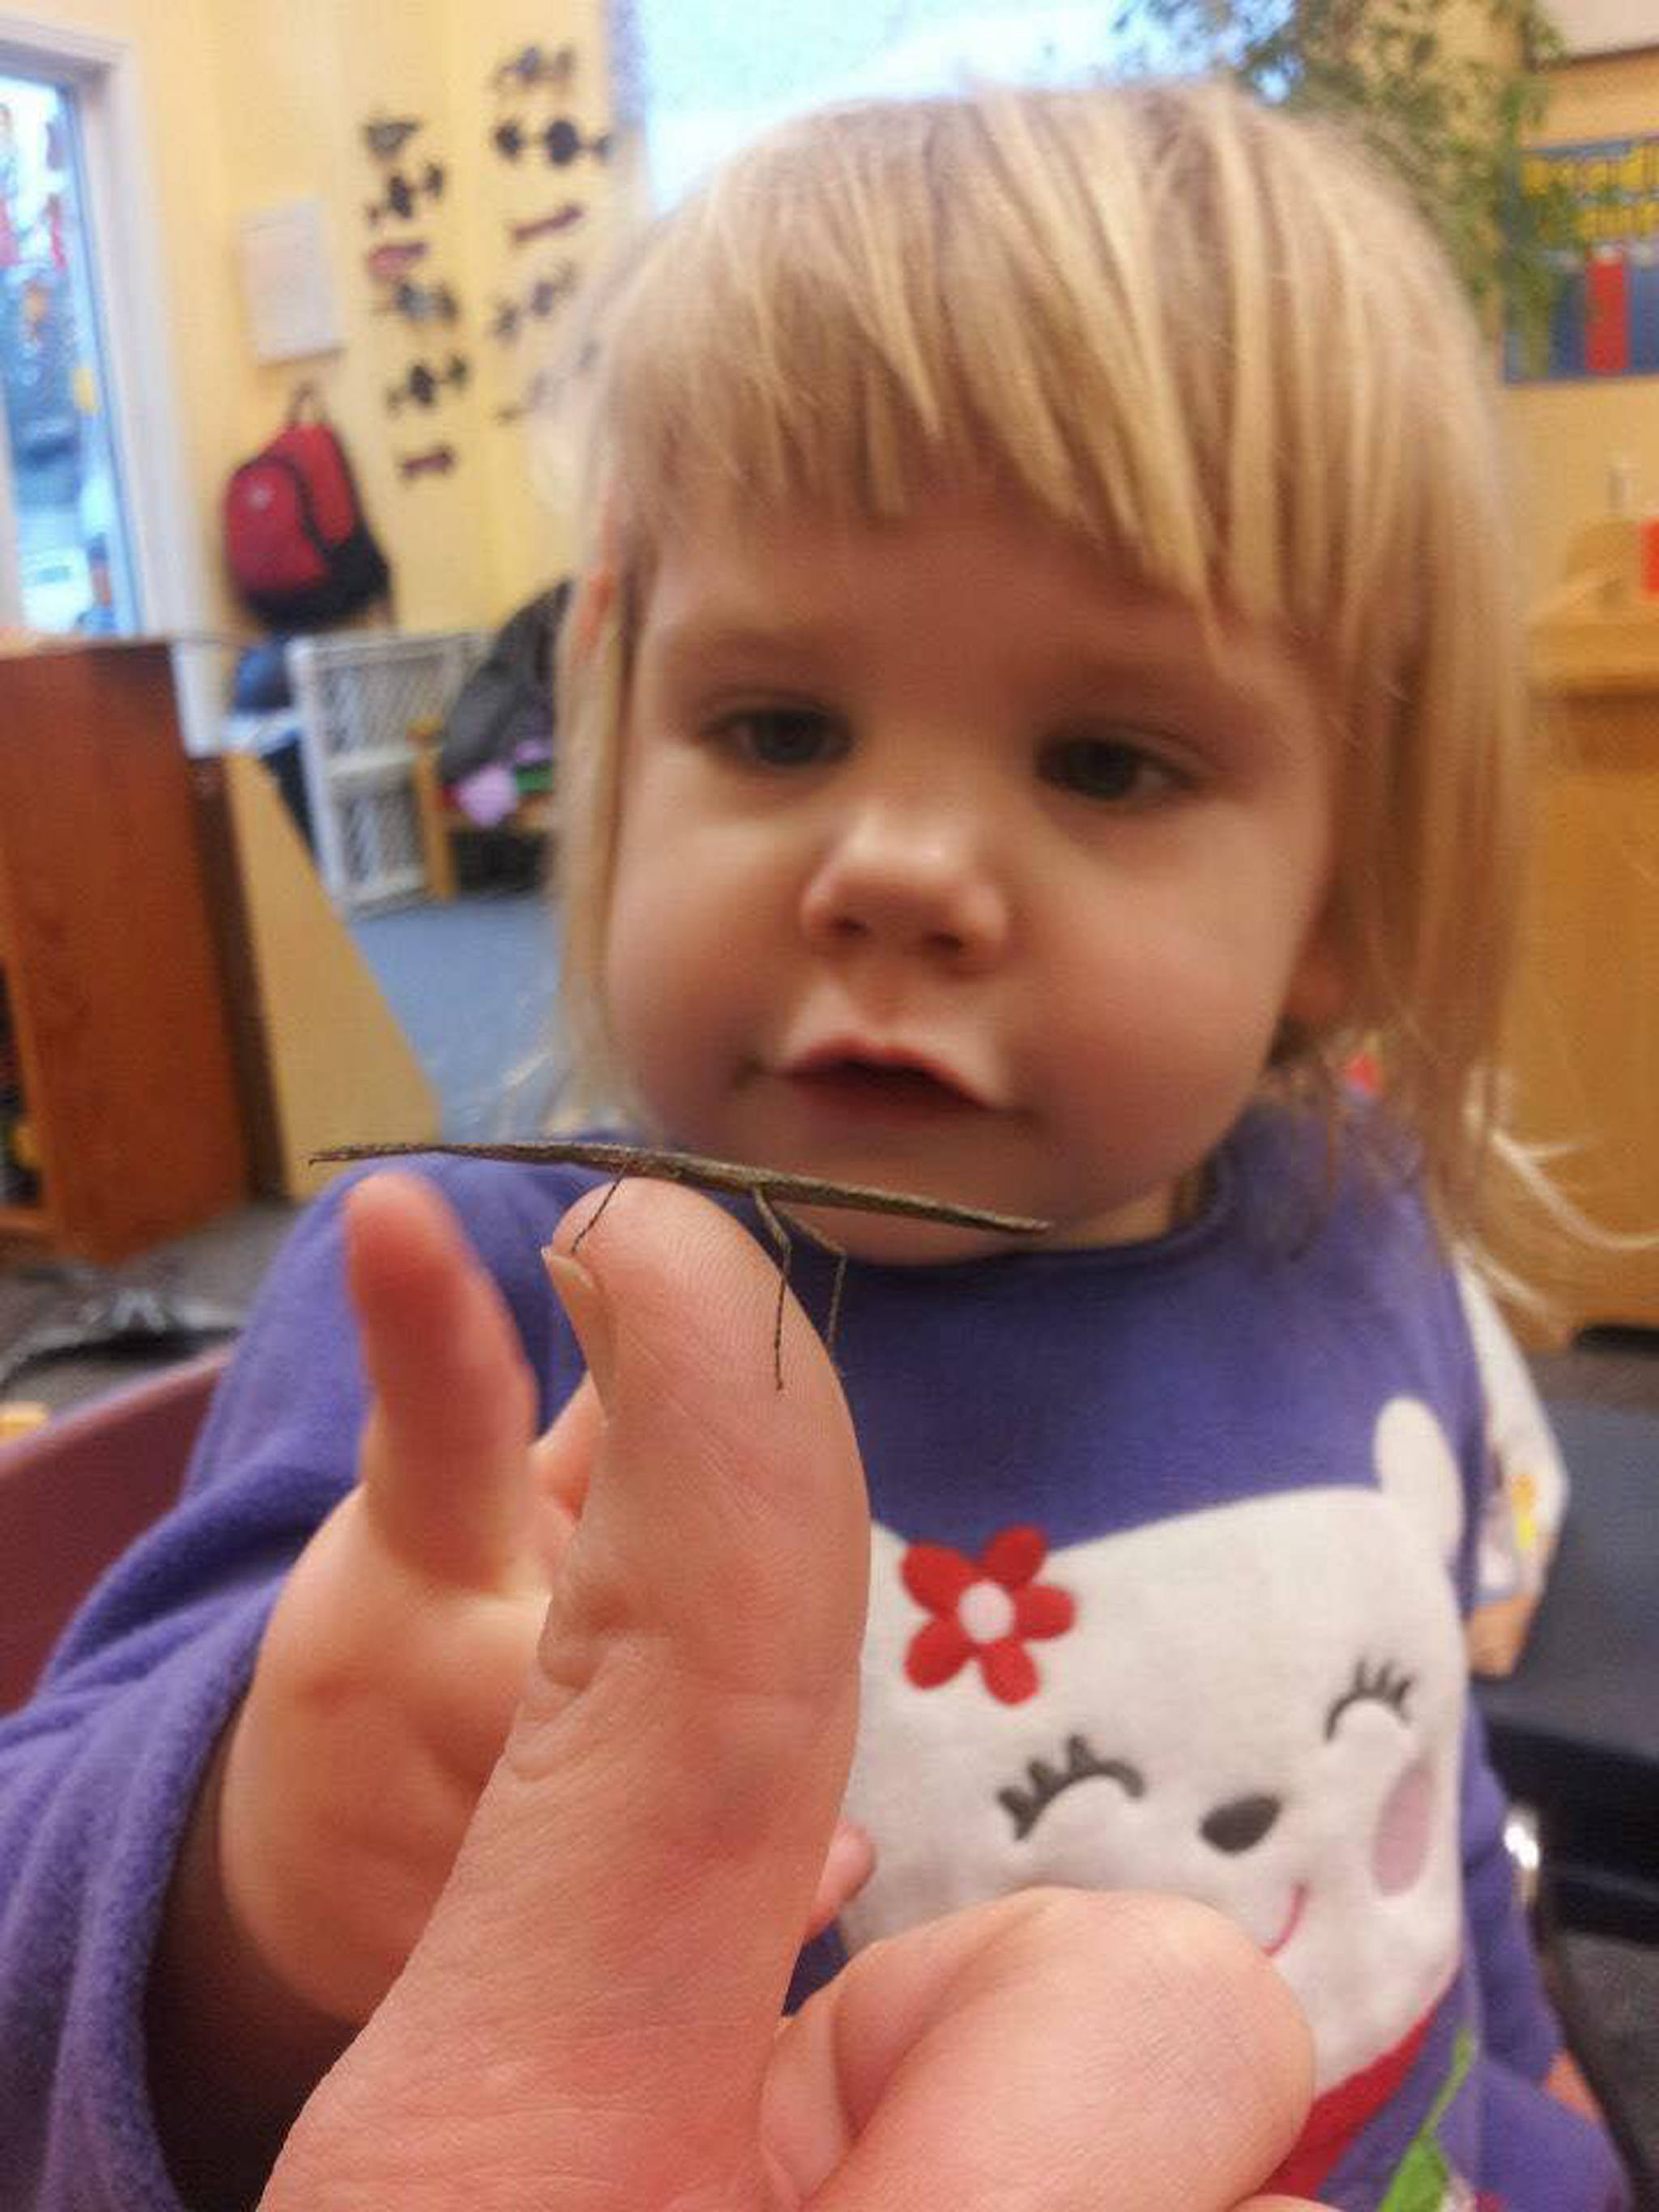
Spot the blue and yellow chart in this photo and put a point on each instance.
(1606, 317)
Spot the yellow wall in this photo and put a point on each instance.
(250, 106)
(528, 540)
(1566, 436)
(297, 83)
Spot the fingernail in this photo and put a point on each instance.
(588, 1314)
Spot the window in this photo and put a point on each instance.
(68, 560)
(701, 80)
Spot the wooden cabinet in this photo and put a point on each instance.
(112, 977)
(1583, 1037)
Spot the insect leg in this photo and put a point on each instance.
(591, 1225)
(780, 1237)
(837, 1253)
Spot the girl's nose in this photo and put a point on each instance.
(896, 884)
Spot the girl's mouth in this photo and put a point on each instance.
(875, 1091)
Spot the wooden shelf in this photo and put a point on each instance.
(1583, 1047)
(20, 1216)
(113, 977)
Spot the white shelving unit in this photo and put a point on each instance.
(355, 697)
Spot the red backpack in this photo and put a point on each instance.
(299, 550)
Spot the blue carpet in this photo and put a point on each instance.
(473, 983)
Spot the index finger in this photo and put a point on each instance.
(444, 1455)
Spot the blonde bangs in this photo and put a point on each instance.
(1202, 338)
(1177, 325)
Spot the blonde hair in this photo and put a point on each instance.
(1193, 333)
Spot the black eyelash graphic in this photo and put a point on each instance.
(1025, 1808)
(1380, 1685)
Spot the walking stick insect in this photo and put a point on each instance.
(769, 1188)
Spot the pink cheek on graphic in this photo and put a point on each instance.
(1401, 1842)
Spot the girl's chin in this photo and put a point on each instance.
(898, 1241)
(892, 1241)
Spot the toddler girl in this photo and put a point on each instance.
(1044, 688)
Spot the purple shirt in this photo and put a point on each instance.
(1101, 1400)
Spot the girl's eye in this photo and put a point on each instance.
(1116, 771)
(781, 737)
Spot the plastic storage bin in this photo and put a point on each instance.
(355, 697)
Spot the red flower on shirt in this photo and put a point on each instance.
(986, 1609)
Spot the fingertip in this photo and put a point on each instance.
(397, 1194)
(442, 1458)
(847, 1865)
(384, 1188)
(431, 1319)
(370, 1213)
(1234, 2047)
(391, 1220)
(410, 1262)
(1153, 1990)
(588, 1312)
(678, 1272)
(639, 1205)
(1255, 2016)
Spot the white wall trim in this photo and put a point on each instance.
(11, 567)
(132, 282)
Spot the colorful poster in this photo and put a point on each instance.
(1606, 320)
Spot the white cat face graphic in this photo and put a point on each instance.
(1258, 1705)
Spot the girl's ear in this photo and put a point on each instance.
(594, 599)
(1316, 996)
(596, 592)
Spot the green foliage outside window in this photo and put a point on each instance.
(1447, 91)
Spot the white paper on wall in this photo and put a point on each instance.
(287, 282)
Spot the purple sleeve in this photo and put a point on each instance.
(1518, 2026)
(98, 1773)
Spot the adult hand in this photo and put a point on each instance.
(590, 2018)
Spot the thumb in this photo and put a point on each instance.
(609, 1961)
